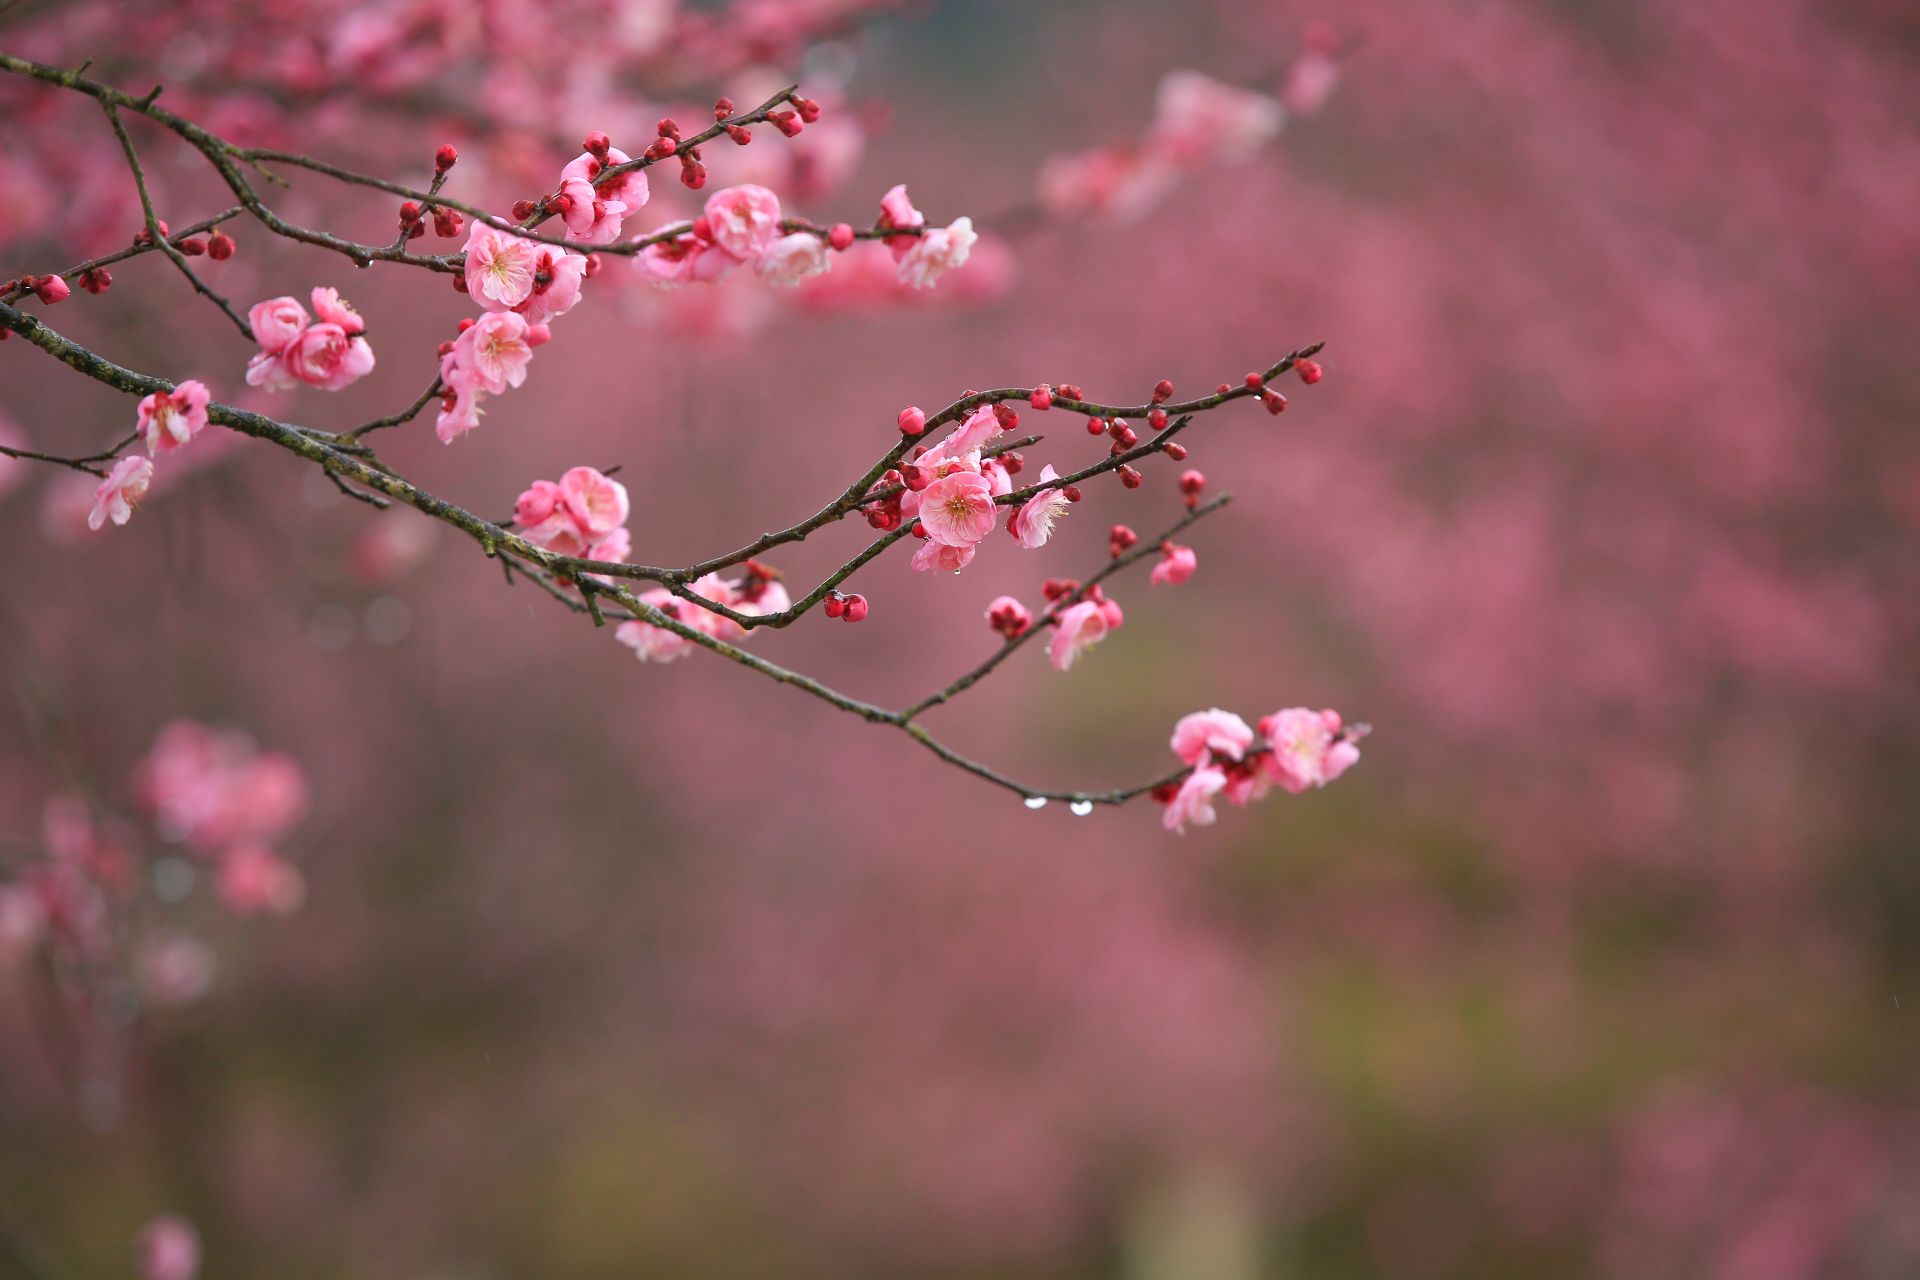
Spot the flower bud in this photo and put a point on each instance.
(51, 289)
(841, 237)
(1163, 391)
(523, 209)
(445, 157)
(220, 246)
(912, 420)
(192, 247)
(1129, 477)
(856, 609)
(1310, 372)
(1042, 397)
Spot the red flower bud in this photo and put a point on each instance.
(856, 609)
(835, 604)
(1175, 450)
(1071, 492)
(192, 246)
(1157, 418)
(1276, 403)
(739, 133)
(51, 289)
(1042, 397)
(523, 209)
(1129, 477)
(1163, 391)
(841, 237)
(596, 144)
(447, 222)
(722, 108)
(1096, 426)
(409, 213)
(1310, 372)
(786, 122)
(809, 109)
(444, 158)
(912, 420)
(220, 246)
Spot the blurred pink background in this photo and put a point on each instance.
(1600, 963)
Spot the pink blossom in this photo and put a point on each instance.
(791, 259)
(252, 879)
(773, 598)
(120, 492)
(495, 348)
(896, 210)
(276, 323)
(614, 549)
(957, 510)
(1080, 627)
(937, 252)
(460, 398)
(1212, 731)
(594, 214)
(1176, 565)
(655, 644)
(536, 503)
(1198, 119)
(685, 259)
(500, 266)
(214, 788)
(171, 419)
(935, 557)
(1307, 747)
(744, 220)
(1309, 82)
(556, 286)
(559, 533)
(1033, 524)
(328, 357)
(981, 426)
(596, 501)
(1193, 802)
(167, 1248)
(333, 309)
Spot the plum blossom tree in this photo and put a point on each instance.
(943, 480)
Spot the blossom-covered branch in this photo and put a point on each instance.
(943, 492)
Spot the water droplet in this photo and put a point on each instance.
(1035, 802)
(1081, 808)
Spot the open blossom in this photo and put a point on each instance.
(536, 503)
(1176, 565)
(896, 210)
(936, 252)
(252, 880)
(334, 309)
(1211, 732)
(170, 419)
(744, 220)
(557, 278)
(120, 492)
(1308, 749)
(496, 348)
(1033, 523)
(500, 266)
(327, 357)
(593, 215)
(791, 259)
(1193, 802)
(596, 501)
(1080, 627)
(957, 510)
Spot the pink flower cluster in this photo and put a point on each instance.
(1198, 122)
(593, 214)
(329, 353)
(524, 285)
(228, 802)
(742, 226)
(951, 490)
(584, 513)
(166, 421)
(1299, 749)
(1080, 626)
(758, 594)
